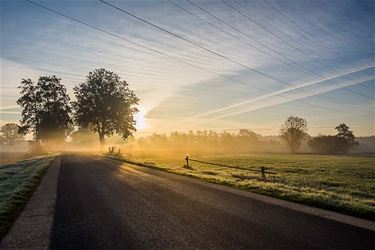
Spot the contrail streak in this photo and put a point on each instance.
(303, 85)
(281, 102)
(9, 107)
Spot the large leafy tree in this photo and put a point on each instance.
(347, 138)
(9, 134)
(293, 131)
(105, 104)
(45, 109)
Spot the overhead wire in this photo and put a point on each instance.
(322, 96)
(306, 35)
(278, 37)
(164, 54)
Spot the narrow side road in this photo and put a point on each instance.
(104, 205)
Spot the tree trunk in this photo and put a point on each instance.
(292, 148)
(102, 141)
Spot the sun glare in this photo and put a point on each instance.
(140, 119)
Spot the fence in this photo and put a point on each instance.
(262, 170)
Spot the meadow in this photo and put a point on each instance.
(17, 183)
(341, 183)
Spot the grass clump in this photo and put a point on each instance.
(17, 183)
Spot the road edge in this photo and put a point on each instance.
(320, 212)
(32, 229)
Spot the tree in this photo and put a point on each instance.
(45, 109)
(293, 131)
(326, 144)
(246, 140)
(337, 144)
(347, 138)
(105, 104)
(83, 136)
(9, 134)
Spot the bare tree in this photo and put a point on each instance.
(293, 131)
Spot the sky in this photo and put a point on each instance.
(200, 65)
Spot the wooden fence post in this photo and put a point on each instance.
(187, 161)
(262, 172)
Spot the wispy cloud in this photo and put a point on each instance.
(45, 43)
(278, 101)
(276, 93)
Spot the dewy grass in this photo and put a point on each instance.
(341, 183)
(17, 183)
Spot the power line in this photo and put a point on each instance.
(279, 38)
(238, 113)
(231, 35)
(164, 54)
(369, 97)
(193, 43)
(245, 102)
(300, 30)
(372, 90)
(324, 97)
(248, 36)
(200, 46)
(143, 46)
(270, 31)
(304, 33)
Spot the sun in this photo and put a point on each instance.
(140, 121)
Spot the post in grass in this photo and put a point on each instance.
(187, 160)
(262, 171)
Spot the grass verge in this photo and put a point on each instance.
(340, 183)
(18, 181)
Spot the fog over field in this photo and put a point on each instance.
(187, 124)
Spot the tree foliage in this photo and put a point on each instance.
(340, 143)
(83, 137)
(293, 131)
(343, 131)
(10, 134)
(209, 142)
(105, 104)
(45, 109)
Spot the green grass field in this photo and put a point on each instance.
(17, 183)
(341, 183)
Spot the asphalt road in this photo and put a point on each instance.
(103, 205)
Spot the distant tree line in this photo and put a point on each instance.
(293, 134)
(341, 143)
(210, 141)
(104, 104)
(294, 131)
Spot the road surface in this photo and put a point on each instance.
(102, 204)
